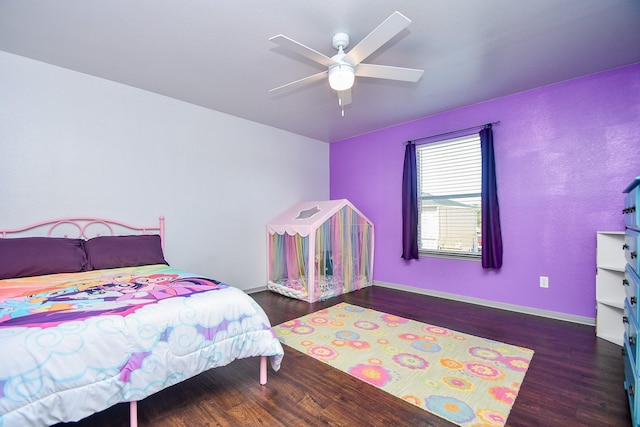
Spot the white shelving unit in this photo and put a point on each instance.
(610, 294)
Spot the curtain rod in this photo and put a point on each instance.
(452, 132)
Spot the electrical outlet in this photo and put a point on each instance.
(544, 282)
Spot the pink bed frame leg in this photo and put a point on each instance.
(133, 413)
(263, 370)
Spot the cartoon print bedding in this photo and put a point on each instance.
(77, 343)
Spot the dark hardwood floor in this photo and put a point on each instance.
(575, 379)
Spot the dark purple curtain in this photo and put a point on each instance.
(491, 233)
(410, 204)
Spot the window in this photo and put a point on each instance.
(449, 197)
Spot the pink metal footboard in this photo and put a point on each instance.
(133, 413)
(133, 405)
(263, 370)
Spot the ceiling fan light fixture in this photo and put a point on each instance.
(341, 76)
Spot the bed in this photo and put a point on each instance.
(92, 315)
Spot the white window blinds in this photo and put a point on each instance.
(449, 196)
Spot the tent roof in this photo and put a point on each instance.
(305, 217)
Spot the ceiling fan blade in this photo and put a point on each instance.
(344, 97)
(301, 49)
(387, 72)
(378, 37)
(299, 83)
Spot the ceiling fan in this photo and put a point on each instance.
(342, 68)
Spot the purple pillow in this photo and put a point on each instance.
(36, 256)
(123, 251)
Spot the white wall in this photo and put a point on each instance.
(76, 145)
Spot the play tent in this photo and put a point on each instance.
(317, 250)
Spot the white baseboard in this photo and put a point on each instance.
(254, 290)
(591, 321)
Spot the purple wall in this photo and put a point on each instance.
(564, 153)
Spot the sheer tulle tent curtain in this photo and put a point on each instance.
(410, 203)
(491, 231)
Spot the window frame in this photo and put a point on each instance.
(437, 253)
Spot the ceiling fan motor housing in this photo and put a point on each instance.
(341, 74)
(340, 40)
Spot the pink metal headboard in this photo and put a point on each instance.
(81, 227)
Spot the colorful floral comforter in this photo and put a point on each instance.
(76, 343)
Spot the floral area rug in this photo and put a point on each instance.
(467, 380)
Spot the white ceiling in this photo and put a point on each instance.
(216, 53)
